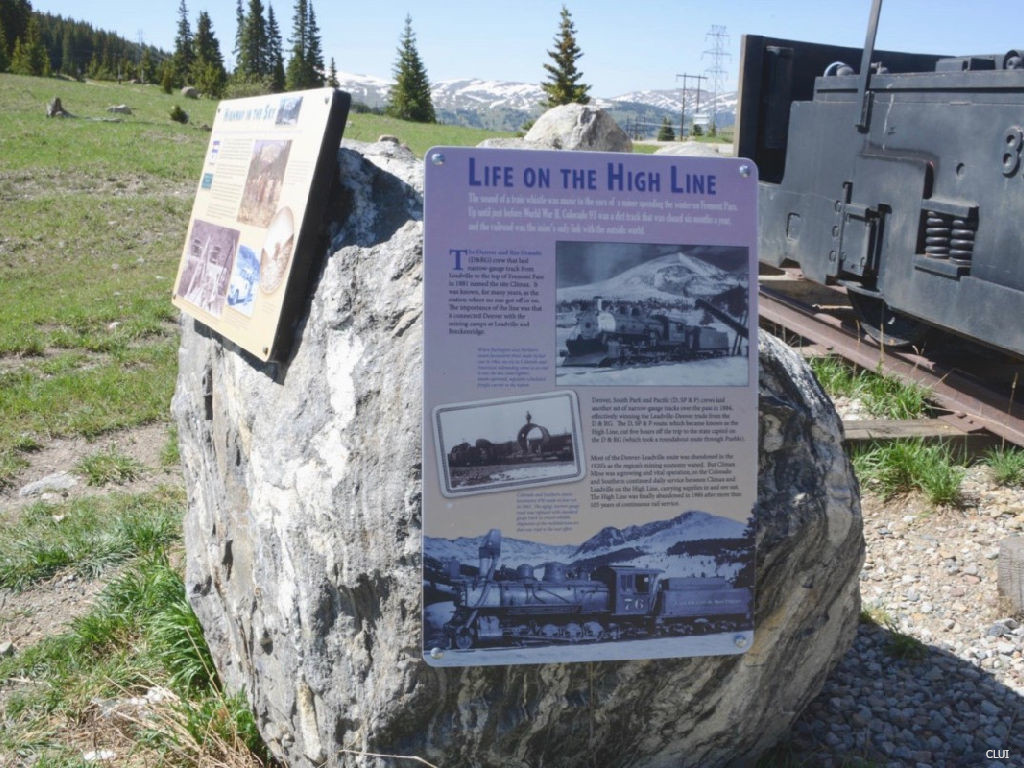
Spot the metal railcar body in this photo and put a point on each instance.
(901, 180)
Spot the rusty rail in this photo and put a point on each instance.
(971, 404)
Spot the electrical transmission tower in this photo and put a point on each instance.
(716, 72)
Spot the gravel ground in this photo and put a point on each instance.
(936, 678)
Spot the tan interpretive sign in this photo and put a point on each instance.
(257, 215)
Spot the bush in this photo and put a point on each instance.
(179, 115)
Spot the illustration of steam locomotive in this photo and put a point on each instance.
(609, 334)
(501, 606)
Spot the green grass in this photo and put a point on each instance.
(900, 467)
(883, 396)
(86, 535)
(108, 467)
(1006, 464)
(141, 634)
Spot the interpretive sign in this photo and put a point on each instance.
(590, 406)
(257, 212)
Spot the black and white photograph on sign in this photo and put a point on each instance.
(210, 257)
(635, 314)
(276, 254)
(497, 445)
(244, 278)
(263, 182)
(644, 585)
(288, 110)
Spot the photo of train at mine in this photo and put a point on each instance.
(577, 603)
(533, 443)
(622, 333)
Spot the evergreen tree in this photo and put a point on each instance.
(147, 69)
(252, 57)
(665, 133)
(297, 72)
(208, 65)
(275, 54)
(306, 63)
(14, 16)
(564, 87)
(67, 53)
(4, 61)
(332, 75)
(183, 47)
(410, 95)
(29, 57)
(314, 53)
(239, 26)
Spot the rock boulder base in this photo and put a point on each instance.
(303, 540)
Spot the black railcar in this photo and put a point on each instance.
(900, 179)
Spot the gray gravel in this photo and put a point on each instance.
(936, 677)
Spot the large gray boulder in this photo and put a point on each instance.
(578, 126)
(303, 543)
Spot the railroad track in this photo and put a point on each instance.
(975, 390)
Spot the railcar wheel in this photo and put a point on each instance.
(885, 325)
(464, 639)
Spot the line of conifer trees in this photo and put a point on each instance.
(42, 44)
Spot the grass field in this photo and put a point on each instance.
(93, 213)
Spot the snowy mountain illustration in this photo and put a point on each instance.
(672, 545)
(669, 278)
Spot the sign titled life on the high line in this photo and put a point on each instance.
(589, 406)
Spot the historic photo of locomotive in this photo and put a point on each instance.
(516, 442)
(605, 594)
(630, 307)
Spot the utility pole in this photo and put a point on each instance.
(719, 39)
(696, 108)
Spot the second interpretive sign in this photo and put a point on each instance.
(257, 212)
(590, 406)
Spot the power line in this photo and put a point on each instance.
(696, 108)
(719, 39)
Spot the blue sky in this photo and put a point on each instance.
(635, 45)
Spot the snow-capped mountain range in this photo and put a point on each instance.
(499, 105)
(652, 545)
(666, 279)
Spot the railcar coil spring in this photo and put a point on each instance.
(948, 237)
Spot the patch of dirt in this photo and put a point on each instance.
(144, 444)
(48, 608)
(45, 609)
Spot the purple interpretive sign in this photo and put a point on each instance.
(589, 406)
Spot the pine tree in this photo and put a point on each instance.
(183, 50)
(564, 87)
(67, 55)
(252, 57)
(306, 63)
(666, 133)
(275, 54)
(29, 57)
(14, 16)
(239, 26)
(332, 75)
(410, 95)
(207, 65)
(314, 52)
(4, 61)
(147, 69)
